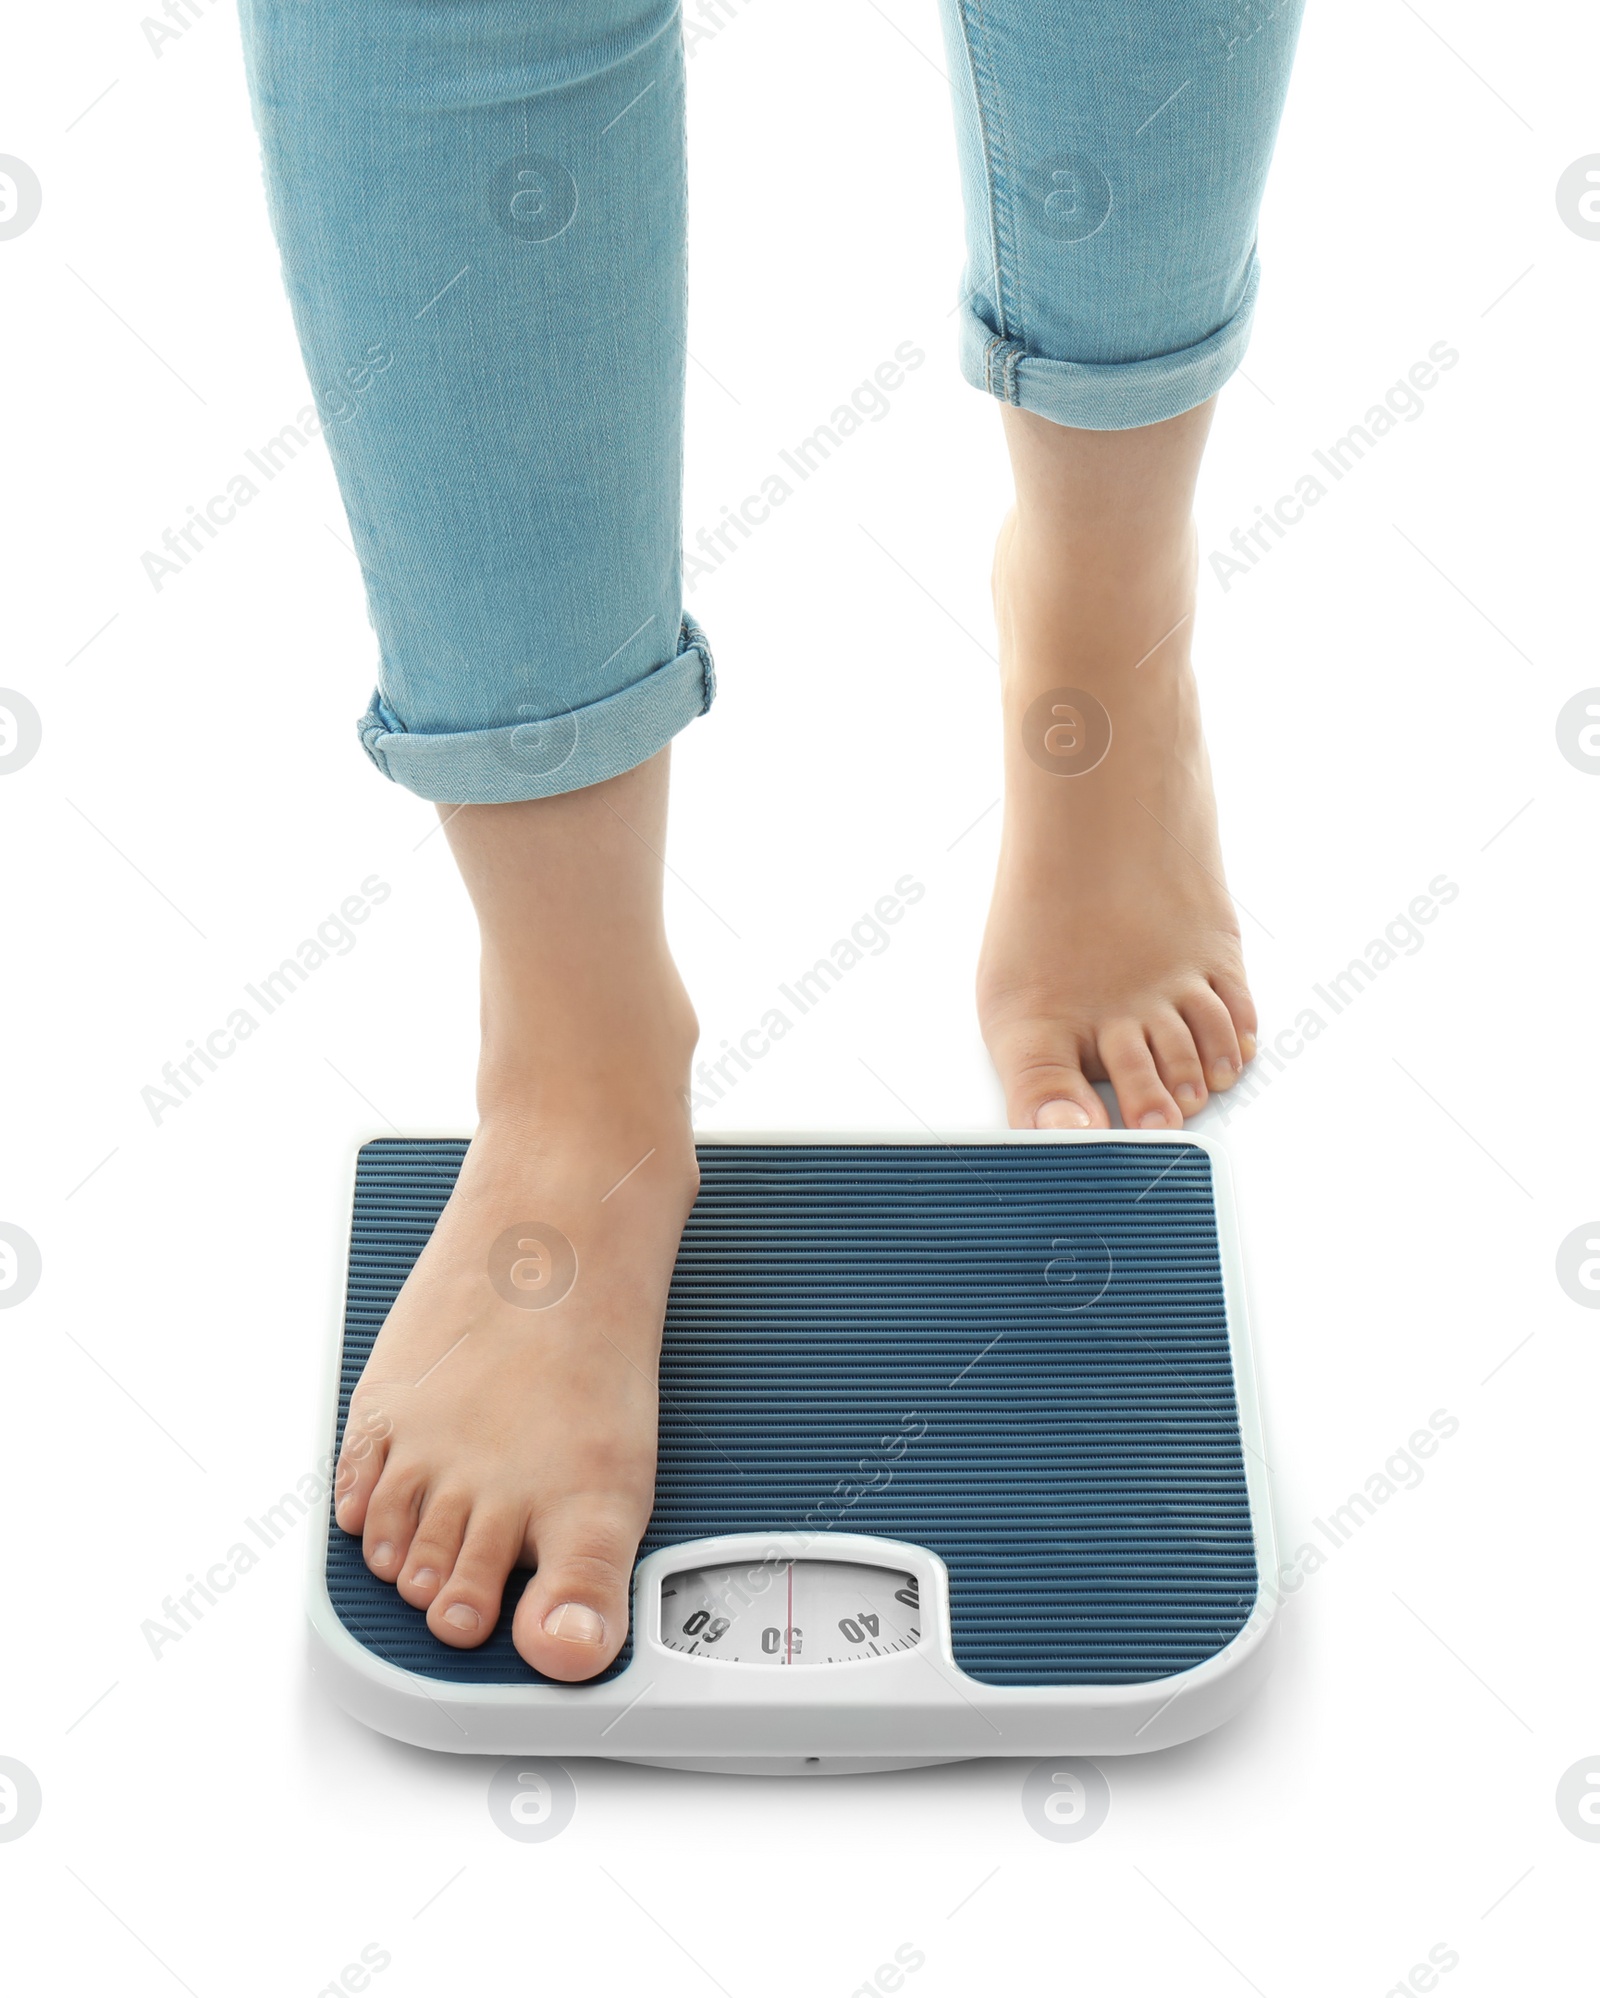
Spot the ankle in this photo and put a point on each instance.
(586, 1034)
(1092, 613)
(1105, 559)
(584, 1137)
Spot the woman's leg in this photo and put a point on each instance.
(1113, 158)
(510, 1399)
(480, 208)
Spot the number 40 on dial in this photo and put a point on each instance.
(800, 1612)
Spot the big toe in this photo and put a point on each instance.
(1042, 1074)
(573, 1615)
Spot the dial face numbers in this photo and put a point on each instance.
(799, 1612)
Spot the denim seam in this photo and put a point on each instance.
(380, 719)
(985, 92)
(394, 750)
(689, 632)
(691, 635)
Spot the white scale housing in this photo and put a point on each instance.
(805, 1683)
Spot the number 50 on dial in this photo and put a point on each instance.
(800, 1612)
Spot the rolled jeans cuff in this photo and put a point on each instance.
(560, 752)
(1106, 395)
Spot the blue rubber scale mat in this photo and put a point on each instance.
(1015, 1355)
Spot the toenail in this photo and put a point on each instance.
(575, 1622)
(1187, 1093)
(463, 1616)
(1153, 1120)
(1061, 1114)
(1225, 1072)
(1247, 1046)
(383, 1554)
(425, 1578)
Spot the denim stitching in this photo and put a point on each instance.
(989, 177)
(691, 636)
(1008, 354)
(369, 733)
(986, 95)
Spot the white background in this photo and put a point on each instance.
(1381, 695)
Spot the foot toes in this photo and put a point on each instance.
(361, 1460)
(1142, 1097)
(573, 1615)
(1211, 1023)
(1177, 1061)
(1071, 1105)
(1044, 1093)
(434, 1547)
(391, 1521)
(1235, 995)
(466, 1605)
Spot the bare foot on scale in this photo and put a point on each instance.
(507, 1413)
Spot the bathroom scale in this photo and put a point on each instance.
(960, 1456)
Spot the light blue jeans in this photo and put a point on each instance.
(480, 206)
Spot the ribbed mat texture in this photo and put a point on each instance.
(1016, 1355)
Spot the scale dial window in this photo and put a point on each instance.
(799, 1612)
